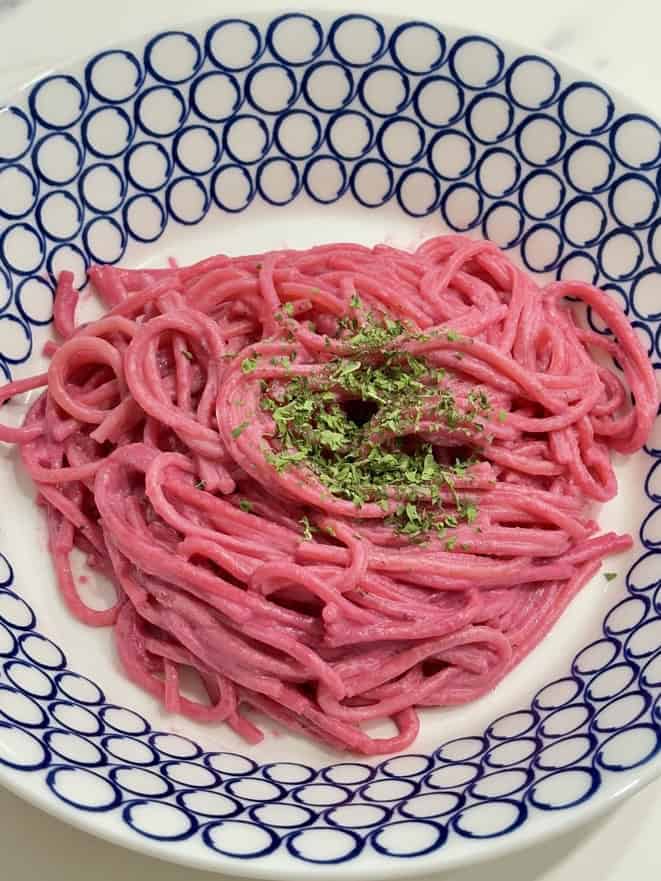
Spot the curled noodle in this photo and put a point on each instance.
(153, 455)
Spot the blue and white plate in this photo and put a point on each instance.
(245, 134)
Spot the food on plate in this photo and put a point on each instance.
(339, 484)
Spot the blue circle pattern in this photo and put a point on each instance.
(578, 731)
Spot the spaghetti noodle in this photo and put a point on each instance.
(340, 484)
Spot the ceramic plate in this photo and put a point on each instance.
(252, 133)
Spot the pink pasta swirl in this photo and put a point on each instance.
(159, 450)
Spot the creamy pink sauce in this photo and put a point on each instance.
(134, 450)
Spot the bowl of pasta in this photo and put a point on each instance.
(329, 445)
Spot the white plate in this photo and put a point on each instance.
(466, 132)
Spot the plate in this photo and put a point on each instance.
(255, 132)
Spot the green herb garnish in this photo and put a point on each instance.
(308, 528)
(249, 364)
(469, 511)
(356, 427)
(478, 400)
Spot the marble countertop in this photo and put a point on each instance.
(620, 46)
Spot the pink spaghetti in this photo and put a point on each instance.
(340, 484)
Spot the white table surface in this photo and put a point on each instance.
(617, 42)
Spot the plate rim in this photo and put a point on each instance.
(556, 823)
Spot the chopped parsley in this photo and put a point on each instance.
(236, 432)
(479, 400)
(249, 364)
(356, 425)
(245, 506)
(370, 333)
(469, 511)
(308, 528)
(187, 354)
(201, 484)
(609, 576)
(502, 415)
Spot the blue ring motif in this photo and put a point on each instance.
(438, 790)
